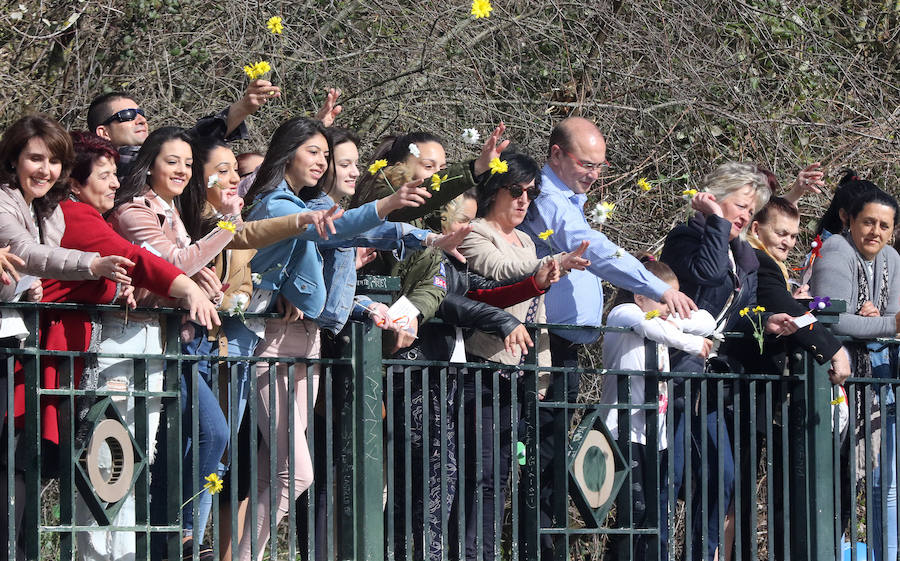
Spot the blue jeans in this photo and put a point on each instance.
(717, 461)
(882, 361)
(241, 342)
(213, 437)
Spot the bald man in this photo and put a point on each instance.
(575, 160)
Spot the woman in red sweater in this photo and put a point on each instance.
(93, 185)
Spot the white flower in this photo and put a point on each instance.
(238, 302)
(470, 136)
(414, 150)
(619, 253)
(601, 212)
(255, 278)
(213, 181)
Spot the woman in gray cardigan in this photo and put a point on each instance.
(860, 268)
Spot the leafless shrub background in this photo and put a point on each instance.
(677, 87)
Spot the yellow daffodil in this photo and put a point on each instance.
(651, 314)
(257, 69)
(759, 309)
(545, 234)
(436, 181)
(498, 166)
(373, 169)
(744, 312)
(481, 8)
(644, 184)
(274, 25)
(226, 225)
(213, 483)
(838, 400)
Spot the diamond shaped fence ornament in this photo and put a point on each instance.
(109, 463)
(596, 467)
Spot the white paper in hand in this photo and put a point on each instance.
(25, 282)
(804, 320)
(402, 312)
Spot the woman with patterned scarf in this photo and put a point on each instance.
(860, 268)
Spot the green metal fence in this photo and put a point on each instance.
(421, 459)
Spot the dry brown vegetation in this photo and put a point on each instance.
(676, 86)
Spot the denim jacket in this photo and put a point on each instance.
(294, 267)
(339, 256)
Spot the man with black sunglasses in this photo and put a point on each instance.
(576, 159)
(117, 117)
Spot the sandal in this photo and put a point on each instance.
(205, 552)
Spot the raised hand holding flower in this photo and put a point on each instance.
(491, 150)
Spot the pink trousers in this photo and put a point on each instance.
(298, 339)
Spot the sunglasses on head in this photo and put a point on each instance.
(516, 190)
(124, 115)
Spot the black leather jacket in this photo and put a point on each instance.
(436, 340)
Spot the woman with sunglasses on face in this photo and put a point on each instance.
(496, 249)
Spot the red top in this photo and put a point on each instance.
(71, 331)
(506, 296)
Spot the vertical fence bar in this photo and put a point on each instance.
(651, 468)
(368, 449)
(821, 497)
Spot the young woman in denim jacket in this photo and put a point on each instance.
(293, 268)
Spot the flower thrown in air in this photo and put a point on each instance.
(373, 169)
(498, 166)
(644, 184)
(436, 180)
(414, 150)
(213, 181)
(601, 212)
(227, 225)
(820, 303)
(688, 194)
(255, 278)
(274, 25)
(545, 235)
(257, 69)
(213, 483)
(651, 314)
(470, 136)
(481, 8)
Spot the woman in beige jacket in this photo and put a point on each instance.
(496, 249)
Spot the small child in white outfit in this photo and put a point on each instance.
(624, 350)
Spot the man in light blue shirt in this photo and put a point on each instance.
(575, 159)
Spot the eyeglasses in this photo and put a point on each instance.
(516, 190)
(586, 166)
(124, 115)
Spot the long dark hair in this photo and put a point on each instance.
(521, 168)
(849, 188)
(876, 196)
(58, 142)
(135, 183)
(285, 141)
(394, 149)
(335, 137)
(192, 200)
